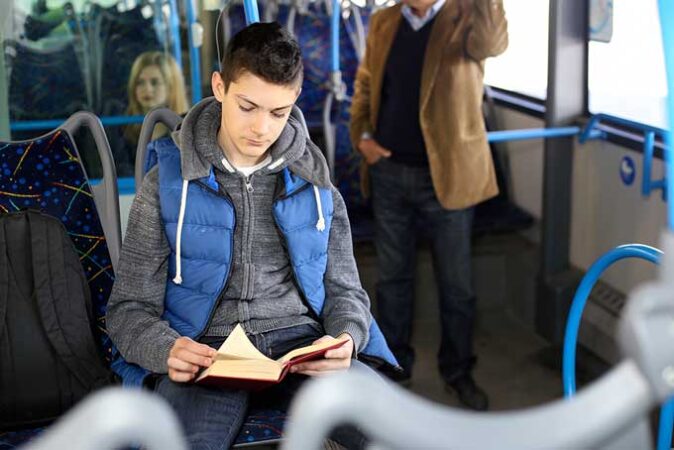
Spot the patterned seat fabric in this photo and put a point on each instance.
(46, 174)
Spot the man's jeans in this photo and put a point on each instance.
(404, 201)
(212, 418)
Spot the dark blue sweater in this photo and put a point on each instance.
(398, 127)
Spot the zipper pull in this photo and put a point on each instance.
(249, 185)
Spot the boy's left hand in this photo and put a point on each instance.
(335, 360)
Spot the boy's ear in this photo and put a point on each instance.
(218, 86)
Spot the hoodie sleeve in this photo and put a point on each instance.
(137, 301)
(347, 305)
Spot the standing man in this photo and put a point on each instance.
(417, 121)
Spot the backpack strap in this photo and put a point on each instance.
(5, 351)
(63, 300)
(4, 278)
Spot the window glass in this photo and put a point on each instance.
(523, 67)
(627, 74)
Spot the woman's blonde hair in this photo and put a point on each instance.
(175, 88)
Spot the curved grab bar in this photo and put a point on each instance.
(397, 419)
(580, 299)
(113, 418)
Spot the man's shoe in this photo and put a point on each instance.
(469, 394)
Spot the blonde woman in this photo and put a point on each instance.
(155, 80)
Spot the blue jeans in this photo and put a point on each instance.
(403, 199)
(212, 417)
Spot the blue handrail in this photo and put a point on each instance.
(334, 35)
(174, 26)
(531, 133)
(195, 58)
(648, 185)
(251, 11)
(580, 299)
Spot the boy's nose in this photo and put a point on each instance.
(260, 125)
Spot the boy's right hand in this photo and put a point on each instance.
(186, 358)
(372, 151)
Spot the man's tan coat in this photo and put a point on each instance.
(464, 33)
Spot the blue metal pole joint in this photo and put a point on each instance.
(648, 185)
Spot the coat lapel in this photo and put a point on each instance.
(385, 36)
(444, 30)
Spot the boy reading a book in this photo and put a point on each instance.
(238, 224)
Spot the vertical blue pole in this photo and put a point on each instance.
(334, 34)
(195, 59)
(174, 26)
(252, 13)
(665, 425)
(666, 8)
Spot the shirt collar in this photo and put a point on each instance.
(417, 22)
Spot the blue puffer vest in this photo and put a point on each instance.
(206, 244)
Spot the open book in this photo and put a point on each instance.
(238, 364)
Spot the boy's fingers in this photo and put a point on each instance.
(322, 365)
(338, 353)
(190, 357)
(181, 365)
(321, 339)
(195, 347)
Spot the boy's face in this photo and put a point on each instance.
(254, 113)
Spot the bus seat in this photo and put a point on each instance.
(46, 174)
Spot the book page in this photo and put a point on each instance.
(311, 349)
(253, 369)
(238, 346)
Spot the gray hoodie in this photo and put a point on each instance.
(261, 293)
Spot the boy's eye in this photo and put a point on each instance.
(278, 115)
(244, 109)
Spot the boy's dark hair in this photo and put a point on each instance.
(266, 50)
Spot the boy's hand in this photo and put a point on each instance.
(186, 358)
(372, 151)
(335, 360)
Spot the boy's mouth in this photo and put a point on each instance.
(254, 143)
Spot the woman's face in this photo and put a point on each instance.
(151, 89)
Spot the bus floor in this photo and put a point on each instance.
(516, 367)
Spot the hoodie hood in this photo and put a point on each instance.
(199, 148)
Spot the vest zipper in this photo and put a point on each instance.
(231, 255)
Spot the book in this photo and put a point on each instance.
(238, 364)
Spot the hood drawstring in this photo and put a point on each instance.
(181, 216)
(320, 225)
